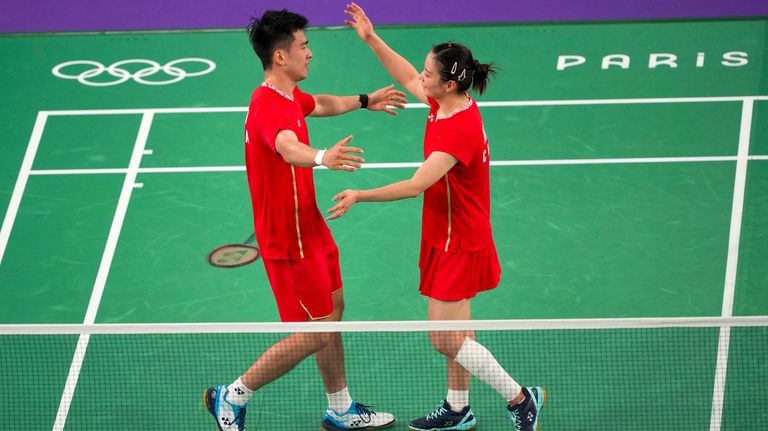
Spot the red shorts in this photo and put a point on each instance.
(303, 288)
(457, 276)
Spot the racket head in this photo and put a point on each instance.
(233, 255)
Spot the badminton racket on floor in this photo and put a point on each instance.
(234, 255)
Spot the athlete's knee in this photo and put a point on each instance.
(314, 341)
(326, 338)
(446, 342)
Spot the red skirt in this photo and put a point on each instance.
(456, 276)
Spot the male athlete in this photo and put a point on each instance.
(298, 251)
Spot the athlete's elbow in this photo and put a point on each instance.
(410, 194)
(413, 189)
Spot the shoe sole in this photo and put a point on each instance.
(540, 406)
(442, 429)
(331, 427)
(207, 403)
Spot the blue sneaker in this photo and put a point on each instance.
(229, 417)
(358, 417)
(444, 419)
(525, 416)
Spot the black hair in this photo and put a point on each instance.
(274, 30)
(455, 63)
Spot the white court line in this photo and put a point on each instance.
(396, 165)
(141, 111)
(21, 182)
(718, 393)
(79, 171)
(611, 161)
(489, 104)
(102, 275)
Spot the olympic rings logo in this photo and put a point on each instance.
(117, 71)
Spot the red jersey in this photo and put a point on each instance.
(457, 208)
(286, 218)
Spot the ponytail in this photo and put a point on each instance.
(481, 75)
(457, 64)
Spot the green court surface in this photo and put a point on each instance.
(634, 192)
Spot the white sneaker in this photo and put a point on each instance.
(358, 417)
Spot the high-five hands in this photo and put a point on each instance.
(344, 202)
(359, 21)
(340, 157)
(384, 99)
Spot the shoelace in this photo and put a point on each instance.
(240, 417)
(514, 418)
(439, 411)
(239, 420)
(364, 412)
(239, 411)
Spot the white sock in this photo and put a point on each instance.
(238, 393)
(480, 363)
(457, 399)
(340, 401)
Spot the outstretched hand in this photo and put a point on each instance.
(344, 202)
(340, 157)
(384, 99)
(359, 21)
